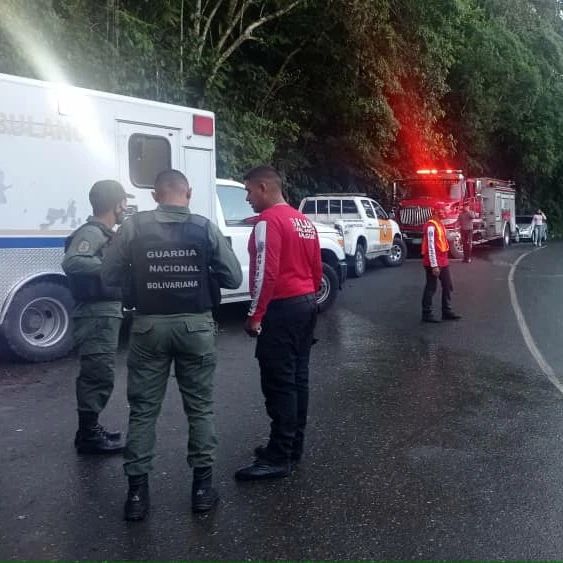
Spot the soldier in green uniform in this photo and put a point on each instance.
(175, 259)
(97, 316)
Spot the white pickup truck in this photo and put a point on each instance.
(368, 231)
(234, 217)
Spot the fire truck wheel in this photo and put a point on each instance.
(38, 325)
(506, 236)
(397, 255)
(358, 262)
(456, 247)
(329, 288)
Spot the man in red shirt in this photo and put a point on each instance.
(285, 274)
(434, 251)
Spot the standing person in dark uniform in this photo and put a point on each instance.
(466, 226)
(285, 274)
(171, 255)
(97, 316)
(434, 250)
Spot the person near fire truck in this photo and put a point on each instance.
(97, 315)
(434, 250)
(538, 226)
(466, 218)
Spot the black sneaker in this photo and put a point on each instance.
(260, 452)
(261, 469)
(138, 500)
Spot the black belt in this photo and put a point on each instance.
(307, 298)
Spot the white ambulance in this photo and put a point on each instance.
(55, 142)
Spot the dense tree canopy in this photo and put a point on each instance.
(340, 94)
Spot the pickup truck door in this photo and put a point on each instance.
(372, 226)
(385, 228)
(234, 217)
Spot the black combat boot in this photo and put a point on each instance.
(138, 500)
(92, 438)
(204, 496)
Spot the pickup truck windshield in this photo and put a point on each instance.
(235, 207)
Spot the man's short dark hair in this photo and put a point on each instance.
(170, 177)
(264, 174)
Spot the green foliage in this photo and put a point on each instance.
(339, 94)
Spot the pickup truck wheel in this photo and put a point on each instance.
(397, 254)
(329, 288)
(358, 262)
(37, 327)
(456, 247)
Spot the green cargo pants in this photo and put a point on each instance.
(97, 339)
(156, 342)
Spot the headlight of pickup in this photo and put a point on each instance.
(340, 241)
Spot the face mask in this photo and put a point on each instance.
(119, 216)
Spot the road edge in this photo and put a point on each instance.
(524, 329)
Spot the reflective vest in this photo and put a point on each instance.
(440, 239)
(170, 265)
(89, 288)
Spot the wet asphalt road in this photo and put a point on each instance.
(425, 442)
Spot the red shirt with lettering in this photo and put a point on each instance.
(285, 258)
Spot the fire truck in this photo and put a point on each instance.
(492, 200)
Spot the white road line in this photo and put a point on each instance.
(526, 334)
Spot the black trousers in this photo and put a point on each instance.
(431, 286)
(283, 351)
(467, 242)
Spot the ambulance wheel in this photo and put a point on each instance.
(456, 247)
(329, 288)
(38, 325)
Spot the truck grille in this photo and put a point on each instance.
(415, 215)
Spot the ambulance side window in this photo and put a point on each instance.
(148, 155)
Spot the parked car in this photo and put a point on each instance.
(525, 231)
(368, 231)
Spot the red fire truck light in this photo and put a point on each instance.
(203, 125)
(425, 171)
